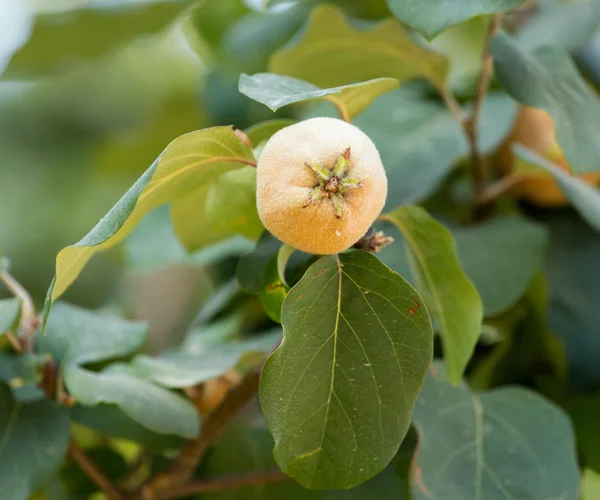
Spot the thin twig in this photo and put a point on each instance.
(29, 319)
(453, 106)
(95, 474)
(498, 188)
(183, 466)
(229, 482)
(471, 124)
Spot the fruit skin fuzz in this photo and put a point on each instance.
(320, 185)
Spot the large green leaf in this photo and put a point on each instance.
(9, 314)
(33, 438)
(507, 444)
(567, 25)
(186, 369)
(431, 17)
(487, 253)
(404, 124)
(218, 210)
(339, 392)
(155, 408)
(333, 53)
(452, 298)
(59, 40)
(276, 91)
(187, 163)
(548, 79)
(584, 198)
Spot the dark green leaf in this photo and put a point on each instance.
(186, 369)
(357, 342)
(431, 17)
(263, 131)
(110, 420)
(252, 266)
(10, 310)
(273, 291)
(190, 161)
(584, 198)
(276, 91)
(333, 53)
(59, 40)
(488, 253)
(34, 440)
(157, 409)
(403, 126)
(507, 444)
(568, 25)
(548, 79)
(452, 298)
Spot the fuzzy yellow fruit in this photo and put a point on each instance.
(320, 185)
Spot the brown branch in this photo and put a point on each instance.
(182, 467)
(229, 482)
(92, 471)
(471, 124)
(29, 319)
(453, 106)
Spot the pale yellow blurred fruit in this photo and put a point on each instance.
(305, 214)
(535, 130)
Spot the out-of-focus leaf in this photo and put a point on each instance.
(567, 25)
(432, 17)
(585, 411)
(263, 131)
(153, 245)
(184, 369)
(22, 373)
(357, 342)
(187, 163)
(218, 210)
(276, 91)
(403, 126)
(590, 485)
(251, 267)
(584, 198)
(10, 310)
(59, 40)
(452, 298)
(273, 290)
(214, 333)
(155, 408)
(111, 421)
(548, 79)
(15, 28)
(333, 53)
(34, 440)
(503, 444)
(488, 254)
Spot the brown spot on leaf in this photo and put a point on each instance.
(319, 273)
(414, 308)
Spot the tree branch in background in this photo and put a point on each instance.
(90, 469)
(29, 319)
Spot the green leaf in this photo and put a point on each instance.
(277, 91)
(218, 210)
(263, 131)
(487, 253)
(507, 444)
(10, 310)
(110, 420)
(273, 290)
(357, 343)
(584, 198)
(22, 372)
(333, 53)
(403, 125)
(155, 408)
(432, 17)
(590, 485)
(62, 39)
(568, 25)
(186, 369)
(76, 336)
(153, 245)
(283, 256)
(186, 164)
(548, 79)
(584, 411)
(251, 267)
(452, 298)
(34, 440)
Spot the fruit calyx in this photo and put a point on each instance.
(333, 184)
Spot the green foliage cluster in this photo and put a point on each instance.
(457, 363)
